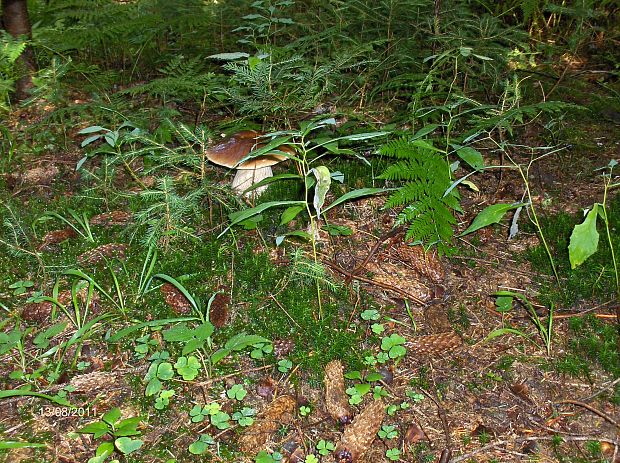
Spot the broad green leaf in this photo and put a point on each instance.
(503, 303)
(130, 329)
(424, 131)
(324, 181)
(102, 453)
(363, 136)
(355, 194)
(503, 331)
(229, 56)
(240, 216)
(290, 213)
(127, 445)
(274, 178)
(470, 156)
(153, 387)
(584, 239)
(112, 416)
(490, 215)
(128, 426)
(471, 185)
(23, 393)
(89, 140)
(92, 129)
(42, 340)
(242, 340)
(374, 376)
(299, 233)
(337, 230)
(362, 388)
(98, 429)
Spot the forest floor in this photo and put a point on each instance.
(463, 389)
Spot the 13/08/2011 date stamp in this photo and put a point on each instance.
(63, 412)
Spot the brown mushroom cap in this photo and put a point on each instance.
(235, 147)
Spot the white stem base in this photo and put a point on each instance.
(245, 178)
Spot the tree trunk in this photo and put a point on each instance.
(16, 22)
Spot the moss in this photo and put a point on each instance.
(595, 278)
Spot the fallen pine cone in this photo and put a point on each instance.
(424, 262)
(282, 347)
(360, 434)
(278, 413)
(105, 251)
(56, 237)
(175, 299)
(336, 399)
(218, 313)
(435, 344)
(109, 219)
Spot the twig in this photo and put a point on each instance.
(348, 274)
(603, 389)
(376, 247)
(444, 421)
(499, 443)
(596, 411)
(285, 311)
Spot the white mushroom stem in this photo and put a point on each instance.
(245, 178)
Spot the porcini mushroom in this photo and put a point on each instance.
(230, 151)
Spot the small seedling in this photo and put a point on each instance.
(378, 392)
(245, 416)
(393, 346)
(311, 459)
(265, 457)
(236, 392)
(357, 392)
(417, 397)
(388, 432)
(163, 400)
(198, 413)
(143, 344)
(377, 328)
(304, 410)
(187, 367)
(201, 445)
(220, 420)
(285, 365)
(370, 314)
(260, 350)
(21, 287)
(325, 447)
(120, 430)
(393, 454)
(158, 371)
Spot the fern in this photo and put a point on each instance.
(427, 210)
(10, 50)
(165, 213)
(182, 79)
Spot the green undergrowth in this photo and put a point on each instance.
(203, 265)
(594, 279)
(591, 343)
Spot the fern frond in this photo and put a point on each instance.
(427, 211)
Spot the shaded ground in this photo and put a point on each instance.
(454, 393)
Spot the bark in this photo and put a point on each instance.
(16, 22)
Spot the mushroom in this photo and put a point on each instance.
(230, 151)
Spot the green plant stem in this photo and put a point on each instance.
(528, 191)
(608, 231)
(305, 170)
